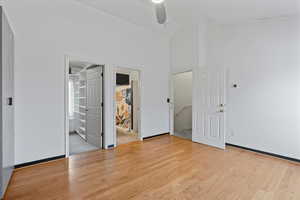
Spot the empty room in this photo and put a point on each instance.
(150, 99)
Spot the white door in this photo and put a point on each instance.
(7, 107)
(210, 124)
(94, 108)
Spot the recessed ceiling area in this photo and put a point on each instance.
(141, 12)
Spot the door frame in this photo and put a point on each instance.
(171, 104)
(114, 86)
(67, 59)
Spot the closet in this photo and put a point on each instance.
(85, 118)
(78, 92)
(81, 104)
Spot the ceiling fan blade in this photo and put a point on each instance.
(161, 13)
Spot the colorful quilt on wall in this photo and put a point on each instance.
(123, 110)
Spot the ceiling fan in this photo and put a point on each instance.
(160, 10)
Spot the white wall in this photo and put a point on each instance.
(187, 49)
(46, 31)
(263, 59)
(188, 46)
(184, 49)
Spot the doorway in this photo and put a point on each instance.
(85, 107)
(183, 109)
(127, 105)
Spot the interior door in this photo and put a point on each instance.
(94, 108)
(210, 125)
(136, 105)
(7, 102)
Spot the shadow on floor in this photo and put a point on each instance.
(186, 134)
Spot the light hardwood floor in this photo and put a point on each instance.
(124, 136)
(165, 167)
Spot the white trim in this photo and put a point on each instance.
(190, 70)
(194, 103)
(226, 91)
(2, 4)
(127, 71)
(171, 104)
(66, 106)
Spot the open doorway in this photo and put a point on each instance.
(183, 98)
(85, 107)
(127, 106)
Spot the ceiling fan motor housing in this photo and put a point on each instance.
(161, 14)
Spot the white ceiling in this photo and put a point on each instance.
(141, 12)
(232, 11)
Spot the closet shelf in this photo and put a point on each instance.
(82, 135)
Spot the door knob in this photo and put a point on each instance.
(221, 111)
(221, 105)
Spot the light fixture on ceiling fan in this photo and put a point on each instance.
(157, 1)
(160, 11)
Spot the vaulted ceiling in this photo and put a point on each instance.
(141, 12)
(232, 11)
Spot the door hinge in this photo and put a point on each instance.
(102, 74)
(102, 104)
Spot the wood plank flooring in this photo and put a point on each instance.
(124, 136)
(162, 168)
